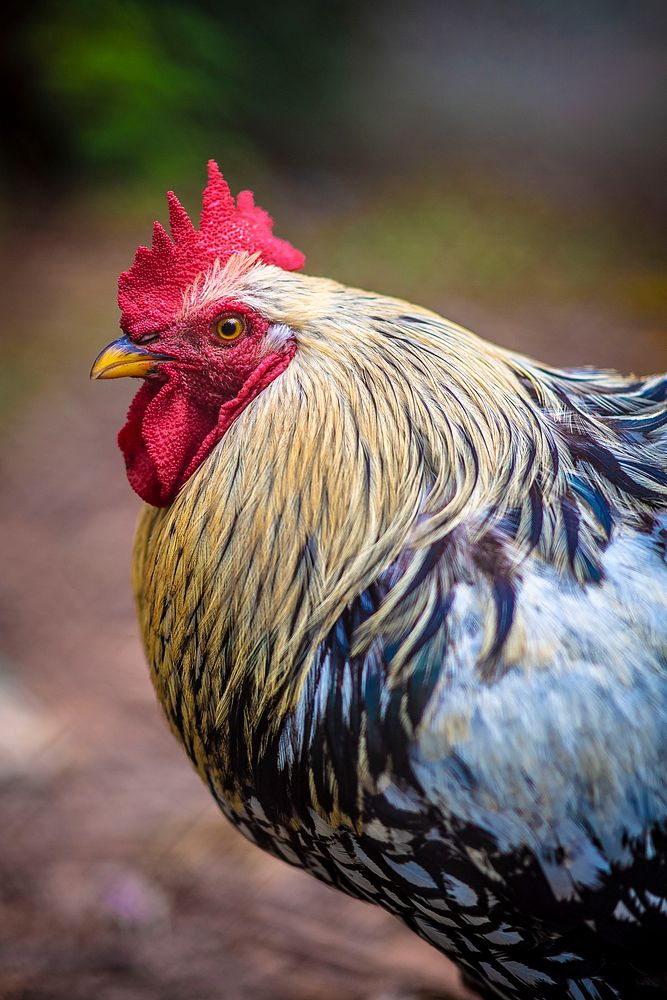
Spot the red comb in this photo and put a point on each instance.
(151, 292)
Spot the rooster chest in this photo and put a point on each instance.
(384, 863)
(425, 875)
(422, 877)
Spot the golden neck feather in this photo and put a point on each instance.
(390, 428)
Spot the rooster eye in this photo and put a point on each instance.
(230, 327)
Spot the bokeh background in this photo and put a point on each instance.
(501, 163)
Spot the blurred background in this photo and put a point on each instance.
(501, 163)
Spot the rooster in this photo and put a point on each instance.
(403, 595)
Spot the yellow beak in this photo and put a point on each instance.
(122, 357)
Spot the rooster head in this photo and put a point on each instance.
(203, 355)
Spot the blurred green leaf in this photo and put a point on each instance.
(131, 88)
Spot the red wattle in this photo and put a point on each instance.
(169, 432)
(140, 470)
(163, 430)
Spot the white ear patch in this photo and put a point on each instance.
(277, 335)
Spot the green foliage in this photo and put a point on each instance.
(126, 87)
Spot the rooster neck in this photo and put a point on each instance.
(237, 582)
(387, 434)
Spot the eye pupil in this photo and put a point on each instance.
(230, 327)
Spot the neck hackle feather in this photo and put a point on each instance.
(394, 442)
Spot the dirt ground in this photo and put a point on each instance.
(119, 879)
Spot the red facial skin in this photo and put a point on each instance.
(184, 409)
